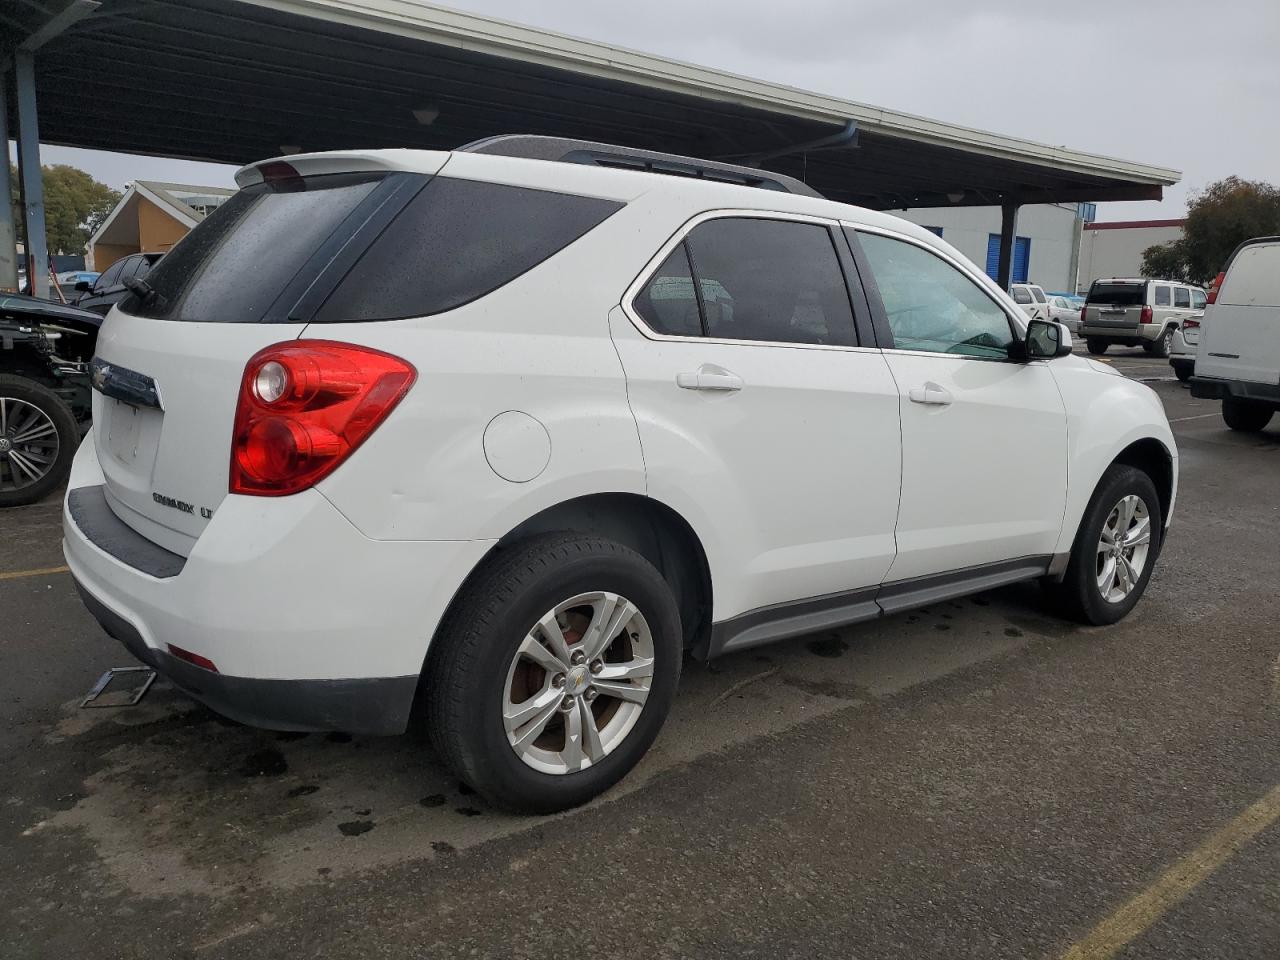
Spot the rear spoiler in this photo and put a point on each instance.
(342, 161)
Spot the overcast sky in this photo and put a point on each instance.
(1190, 85)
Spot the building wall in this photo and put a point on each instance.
(157, 231)
(1115, 249)
(1052, 229)
(103, 255)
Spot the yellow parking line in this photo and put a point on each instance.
(1111, 936)
(44, 571)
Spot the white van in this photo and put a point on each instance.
(1238, 360)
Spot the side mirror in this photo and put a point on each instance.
(1047, 340)
(84, 286)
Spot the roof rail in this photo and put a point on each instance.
(566, 150)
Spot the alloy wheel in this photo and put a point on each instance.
(29, 444)
(578, 682)
(1123, 548)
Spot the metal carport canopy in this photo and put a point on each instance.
(238, 80)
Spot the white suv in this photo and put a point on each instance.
(487, 440)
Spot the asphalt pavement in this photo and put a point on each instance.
(977, 779)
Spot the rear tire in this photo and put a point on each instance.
(1096, 347)
(1246, 416)
(38, 440)
(1080, 595)
(1182, 371)
(496, 638)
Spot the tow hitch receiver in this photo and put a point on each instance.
(119, 698)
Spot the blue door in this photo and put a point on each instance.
(1021, 257)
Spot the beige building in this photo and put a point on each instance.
(1115, 249)
(150, 218)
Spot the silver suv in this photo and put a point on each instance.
(1138, 313)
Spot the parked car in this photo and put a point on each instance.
(1137, 312)
(1030, 299)
(1182, 349)
(461, 498)
(111, 286)
(1238, 358)
(67, 283)
(1065, 310)
(45, 349)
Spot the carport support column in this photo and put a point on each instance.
(30, 172)
(1008, 230)
(8, 236)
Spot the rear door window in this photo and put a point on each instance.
(776, 281)
(1021, 295)
(457, 241)
(1038, 294)
(1182, 298)
(668, 303)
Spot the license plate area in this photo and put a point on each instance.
(133, 434)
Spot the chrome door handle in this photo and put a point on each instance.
(930, 393)
(709, 377)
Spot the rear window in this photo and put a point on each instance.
(457, 241)
(238, 260)
(1253, 279)
(1120, 294)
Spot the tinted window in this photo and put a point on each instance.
(144, 266)
(771, 280)
(456, 241)
(130, 270)
(1198, 299)
(1038, 294)
(1021, 295)
(932, 306)
(1120, 294)
(1181, 297)
(668, 303)
(237, 261)
(112, 275)
(1162, 296)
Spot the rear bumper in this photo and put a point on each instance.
(1130, 335)
(310, 624)
(1213, 388)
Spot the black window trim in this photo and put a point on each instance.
(857, 301)
(884, 333)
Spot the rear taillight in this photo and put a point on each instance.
(1190, 324)
(304, 406)
(1216, 286)
(1083, 311)
(1147, 315)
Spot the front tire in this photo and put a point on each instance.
(1245, 415)
(38, 439)
(1096, 347)
(1115, 549)
(553, 671)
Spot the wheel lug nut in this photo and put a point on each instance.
(578, 658)
(597, 666)
(558, 680)
(566, 704)
(591, 694)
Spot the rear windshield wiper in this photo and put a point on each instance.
(146, 294)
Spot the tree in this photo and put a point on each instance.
(1219, 219)
(75, 205)
(1168, 261)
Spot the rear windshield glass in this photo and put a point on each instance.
(1121, 294)
(456, 241)
(238, 260)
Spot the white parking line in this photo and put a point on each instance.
(1198, 416)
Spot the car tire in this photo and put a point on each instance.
(37, 435)
(495, 638)
(1081, 595)
(1096, 347)
(1246, 416)
(1162, 347)
(1182, 371)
